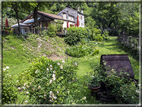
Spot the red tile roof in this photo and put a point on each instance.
(53, 16)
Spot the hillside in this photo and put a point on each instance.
(18, 53)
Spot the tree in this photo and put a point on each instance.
(106, 15)
(16, 7)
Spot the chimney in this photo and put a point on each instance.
(77, 7)
(82, 11)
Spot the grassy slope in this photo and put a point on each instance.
(18, 54)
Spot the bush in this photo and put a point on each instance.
(118, 84)
(59, 25)
(52, 82)
(75, 34)
(105, 35)
(44, 33)
(78, 51)
(95, 52)
(9, 93)
(98, 37)
(95, 33)
(51, 30)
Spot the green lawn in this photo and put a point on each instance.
(86, 63)
(110, 47)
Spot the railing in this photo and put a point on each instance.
(36, 30)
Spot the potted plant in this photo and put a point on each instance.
(95, 84)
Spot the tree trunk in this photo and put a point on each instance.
(35, 17)
(16, 11)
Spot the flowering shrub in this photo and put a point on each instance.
(51, 82)
(79, 50)
(118, 83)
(9, 93)
(122, 85)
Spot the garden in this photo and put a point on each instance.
(65, 81)
(48, 69)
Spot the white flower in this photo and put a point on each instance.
(58, 63)
(27, 92)
(50, 82)
(54, 97)
(7, 67)
(50, 65)
(50, 92)
(24, 84)
(61, 67)
(47, 69)
(53, 77)
(26, 101)
(24, 87)
(105, 63)
(92, 76)
(36, 71)
(39, 87)
(39, 95)
(137, 91)
(4, 69)
(139, 85)
(19, 88)
(96, 43)
(17, 81)
(63, 61)
(50, 68)
(75, 63)
(84, 98)
(54, 72)
(44, 94)
(57, 92)
(51, 100)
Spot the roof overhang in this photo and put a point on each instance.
(21, 24)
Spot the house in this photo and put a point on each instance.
(68, 16)
(72, 14)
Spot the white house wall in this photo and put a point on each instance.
(65, 24)
(81, 21)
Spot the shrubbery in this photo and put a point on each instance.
(95, 33)
(59, 25)
(51, 30)
(9, 93)
(105, 35)
(49, 82)
(118, 84)
(80, 50)
(98, 37)
(75, 34)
